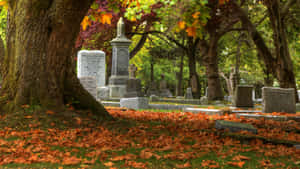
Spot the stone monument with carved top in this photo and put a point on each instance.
(120, 62)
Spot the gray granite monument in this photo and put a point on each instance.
(120, 62)
(278, 100)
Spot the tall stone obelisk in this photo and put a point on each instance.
(120, 62)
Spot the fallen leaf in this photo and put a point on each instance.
(109, 164)
(50, 112)
(186, 165)
(236, 164)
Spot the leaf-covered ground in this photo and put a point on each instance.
(140, 139)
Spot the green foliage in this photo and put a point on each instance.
(3, 21)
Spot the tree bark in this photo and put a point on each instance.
(180, 74)
(191, 54)
(280, 65)
(212, 70)
(37, 68)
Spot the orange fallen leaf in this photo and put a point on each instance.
(186, 165)
(145, 154)
(109, 164)
(236, 164)
(71, 160)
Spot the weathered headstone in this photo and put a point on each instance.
(133, 87)
(234, 126)
(120, 62)
(135, 103)
(243, 96)
(89, 83)
(152, 89)
(163, 90)
(92, 64)
(188, 94)
(278, 100)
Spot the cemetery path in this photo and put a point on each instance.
(141, 139)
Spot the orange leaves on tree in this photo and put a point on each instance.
(85, 22)
(106, 18)
(196, 15)
(191, 31)
(222, 2)
(181, 25)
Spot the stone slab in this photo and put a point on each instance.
(167, 106)
(89, 84)
(234, 126)
(103, 93)
(135, 103)
(278, 100)
(117, 91)
(110, 104)
(202, 110)
(92, 64)
(271, 117)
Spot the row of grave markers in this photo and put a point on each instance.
(91, 73)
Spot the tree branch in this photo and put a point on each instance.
(141, 42)
(287, 6)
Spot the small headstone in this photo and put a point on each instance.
(103, 93)
(234, 126)
(92, 64)
(278, 100)
(163, 91)
(133, 88)
(205, 111)
(204, 100)
(154, 98)
(89, 84)
(132, 70)
(243, 96)
(188, 94)
(135, 103)
(152, 89)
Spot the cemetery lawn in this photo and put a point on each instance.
(140, 139)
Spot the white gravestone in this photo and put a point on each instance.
(92, 64)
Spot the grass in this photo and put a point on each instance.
(79, 134)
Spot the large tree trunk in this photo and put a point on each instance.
(212, 70)
(281, 65)
(284, 67)
(194, 78)
(37, 68)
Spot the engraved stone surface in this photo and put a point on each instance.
(89, 83)
(92, 64)
(243, 96)
(278, 100)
